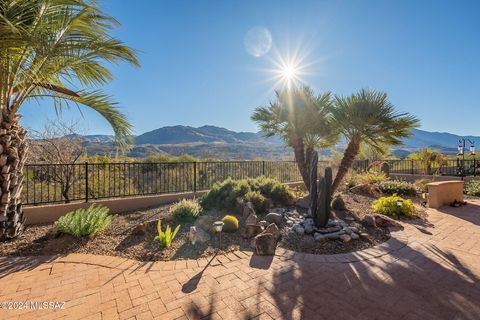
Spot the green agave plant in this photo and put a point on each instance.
(166, 238)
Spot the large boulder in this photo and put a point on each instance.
(251, 219)
(274, 217)
(273, 229)
(265, 244)
(251, 230)
(205, 223)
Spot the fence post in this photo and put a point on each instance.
(86, 181)
(195, 177)
(263, 167)
(474, 167)
(412, 167)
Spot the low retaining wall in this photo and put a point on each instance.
(50, 213)
(414, 177)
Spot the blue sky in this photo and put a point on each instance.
(195, 68)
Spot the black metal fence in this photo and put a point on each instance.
(55, 183)
(455, 167)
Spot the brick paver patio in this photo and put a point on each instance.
(427, 271)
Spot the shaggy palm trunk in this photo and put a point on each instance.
(13, 151)
(301, 159)
(348, 157)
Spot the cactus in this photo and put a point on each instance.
(230, 224)
(313, 184)
(320, 193)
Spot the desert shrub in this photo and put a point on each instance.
(371, 177)
(166, 237)
(257, 199)
(228, 194)
(230, 224)
(85, 222)
(421, 184)
(397, 187)
(473, 188)
(186, 210)
(389, 206)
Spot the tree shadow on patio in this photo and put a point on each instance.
(416, 283)
(9, 265)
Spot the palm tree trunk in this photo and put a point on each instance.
(303, 166)
(348, 157)
(13, 151)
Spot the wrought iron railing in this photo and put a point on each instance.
(455, 167)
(56, 183)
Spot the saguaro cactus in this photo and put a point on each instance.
(320, 193)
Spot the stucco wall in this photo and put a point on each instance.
(50, 213)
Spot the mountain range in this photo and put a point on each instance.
(212, 141)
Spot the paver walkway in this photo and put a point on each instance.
(424, 272)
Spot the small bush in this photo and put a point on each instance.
(371, 177)
(473, 188)
(186, 210)
(228, 194)
(258, 201)
(389, 206)
(421, 184)
(85, 222)
(397, 187)
(166, 237)
(230, 224)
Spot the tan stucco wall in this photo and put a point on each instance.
(50, 213)
(444, 192)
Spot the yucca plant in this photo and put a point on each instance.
(85, 222)
(166, 237)
(45, 47)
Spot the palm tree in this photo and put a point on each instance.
(302, 120)
(47, 49)
(368, 117)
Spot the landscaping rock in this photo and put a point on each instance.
(252, 219)
(206, 223)
(248, 209)
(273, 229)
(308, 229)
(144, 227)
(198, 234)
(365, 236)
(273, 217)
(338, 204)
(383, 221)
(303, 203)
(354, 236)
(251, 230)
(265, 244)
(334, 235)
(369, 221)
(263, 224)
(347, 230)
(345, 237)
(329, 229)
(298, 229)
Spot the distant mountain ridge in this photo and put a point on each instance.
(223, 143)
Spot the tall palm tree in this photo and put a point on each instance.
(302, 120)
(48, 49)
(368, 117)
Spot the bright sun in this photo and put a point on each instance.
(288, 72)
